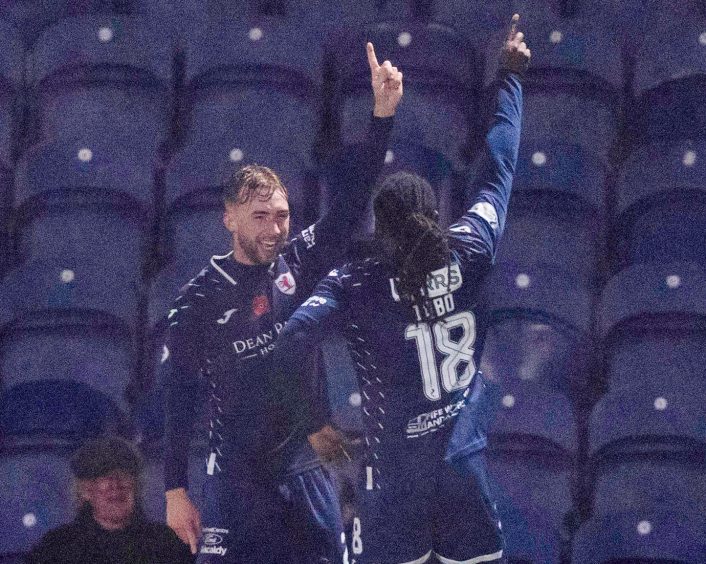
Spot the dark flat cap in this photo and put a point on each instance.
(99, 457)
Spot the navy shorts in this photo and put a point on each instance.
(419, 512)
(252, 520)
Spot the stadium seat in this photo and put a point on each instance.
(648, 482)
(88, 210)
(88, 242)
(98, 76)
(661, 206)
(539, 326)
(32, 17)
(476, 22)
(670, 82)
(342, 384)
(647, 415)
(11, 83)
(525, 412)
(647, 447)
(101, 168)
(252, 79)
(533, 493)
(556, 212)
(36, 496)
(651, 322)
(56, 410)
(53, 327)
(645, 537)
(441, 83)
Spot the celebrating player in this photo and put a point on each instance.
(410, 315)
(267, 498)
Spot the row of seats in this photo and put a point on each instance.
(648, 322)
(638, 502)
(85, 77)
(562, 215)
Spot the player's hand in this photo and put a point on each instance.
(515, 56)
(387, 85)
(329, 444)
(183, 518)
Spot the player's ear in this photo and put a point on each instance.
(229, 220)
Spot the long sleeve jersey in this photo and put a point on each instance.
(417, 364)
(223, 325)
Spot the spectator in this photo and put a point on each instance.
(110, 527)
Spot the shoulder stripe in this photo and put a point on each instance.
(222, 272)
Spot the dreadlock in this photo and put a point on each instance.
(408, 232)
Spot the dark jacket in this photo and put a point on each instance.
(83, 541)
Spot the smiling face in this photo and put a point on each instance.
(257, 214)
(259, 226)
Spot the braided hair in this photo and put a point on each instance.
(408, 233)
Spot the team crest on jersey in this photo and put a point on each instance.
(260, 306)
(285, 283)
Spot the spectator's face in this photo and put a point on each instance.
(112, 498)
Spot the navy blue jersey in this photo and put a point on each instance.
(417, 364)
(223, 326)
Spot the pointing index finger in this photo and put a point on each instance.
(372, 59)
(513, 26)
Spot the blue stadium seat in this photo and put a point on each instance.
(646, 416)
(36, 496)
(645, 537)
(32, 17)
(533, 444)
(651, 322)
(94, 243)
(195, 230)
(102, 168)
(539, 326)
(441, 82)
(98, 76)
(86, 209)
(647, 447)
(526, 412)
(57, 409)
(649, 482)
(252, 79)
(11, 81)
(533, 492)
(476, 22)
(53, 327)
(670, 82)
(661, 209)
(342, 384)
(556, 213)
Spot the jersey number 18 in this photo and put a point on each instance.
(438, 336)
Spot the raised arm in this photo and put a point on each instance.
(480, 228)
(352, 174)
